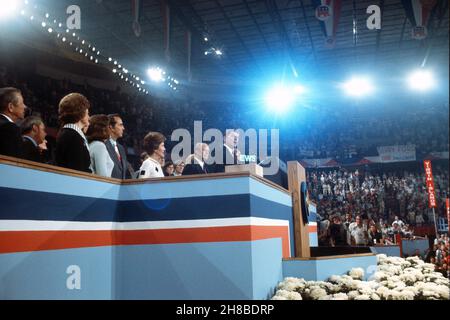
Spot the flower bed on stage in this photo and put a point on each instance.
(395, 279)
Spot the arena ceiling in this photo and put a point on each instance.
(255, 35)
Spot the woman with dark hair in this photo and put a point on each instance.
(168, 168)
(154, 146)
(72, 150)
(97, 133)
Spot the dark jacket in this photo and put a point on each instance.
(31, 152)
(194, 168)
(71, 152)
(10, 138)
(120, 170)
(227, 159)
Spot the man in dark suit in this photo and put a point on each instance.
(116, 150)
(230, 153)
(34, 143)
(195, 163)
(12, 109)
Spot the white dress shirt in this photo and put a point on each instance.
(150, 168)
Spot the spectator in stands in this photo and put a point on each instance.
(12, 109)
(358, 232)
(34, 143)
(168, 169)
(375, 236)
(154, 146)
(337, 232)
(346, 224)
(179, 167)
(97, 134)
(72, 150)
(399, 222)
(195, 163)
(115, 149)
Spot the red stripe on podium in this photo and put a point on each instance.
(23, 241)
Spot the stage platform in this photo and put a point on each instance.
(71, 235)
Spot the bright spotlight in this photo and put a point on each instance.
(279, 98)
(358, 87)
(155, 74)
(421, 80)
(218, 52)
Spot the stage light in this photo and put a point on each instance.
(22, 12)
(50, 30)
(114, 70)
(137, 78)
(206, 39)
(73, 34)
(47, 15)
(279, 98)
(176, 81)
(60, 24)
(358, 86)
(142, 82)
(155, 74)
(96, 60)
(299, 89)
(98, 52)
(206, 53)
(115, 62)
(32, 18)
(421, 80)
(81, 50)
(218, 52)
(43, 24)
(82, 42)
(63, 39)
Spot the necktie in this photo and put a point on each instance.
(118, 153)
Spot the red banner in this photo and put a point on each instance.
(430, 183)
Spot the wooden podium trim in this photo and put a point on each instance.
(297, 175)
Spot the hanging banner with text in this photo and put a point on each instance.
(397, 153)
(430, 183)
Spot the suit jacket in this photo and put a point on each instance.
(31, 152)
(120, 170)
(226, 154)
(10, 138)
(194, 168)
(71, 152)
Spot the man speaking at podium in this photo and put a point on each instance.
(230, 151)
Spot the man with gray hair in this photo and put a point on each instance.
(195, 163)
(34, 143)
(12, 109)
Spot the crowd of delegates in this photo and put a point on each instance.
(439, 254)
(385, 203)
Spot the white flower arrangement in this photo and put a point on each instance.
(395, 279)
(356, 273)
